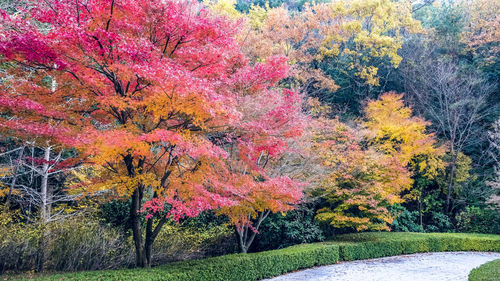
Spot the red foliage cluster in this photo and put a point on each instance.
(156, 95)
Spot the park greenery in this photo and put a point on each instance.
(257, 266)
(200, 136)
(487, 272)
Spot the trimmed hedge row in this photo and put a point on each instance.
(256, 266)
(489, 271)
(240, 267)
(375, 245)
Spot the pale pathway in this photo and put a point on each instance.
(452, 266)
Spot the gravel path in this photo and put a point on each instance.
(453, 266)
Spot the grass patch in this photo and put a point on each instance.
(256, 266)
(489, 271)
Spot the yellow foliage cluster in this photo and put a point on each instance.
(4, 172)
(374, 26)
(225, 8)
(392, 129)
(359, 183)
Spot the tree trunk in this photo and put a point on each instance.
(143, 245)
(242, 238)
(243, 248)
(245, 237)
(140, 257)
(148, 242)
(40, 253)
(135, 219)
(450, 181)
(45, 210)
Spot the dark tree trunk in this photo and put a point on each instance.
(140, 258)
(143, 245)
(135, 219)
(246, 235)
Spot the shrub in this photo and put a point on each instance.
(474, 219)
(440, 223)
(81, 243)
(489, 271)
(181, 242)
(375, 245)
(115, 213)
(405, 220)
(18, 244)
(85, 243)
(78, 243)
(296, 227)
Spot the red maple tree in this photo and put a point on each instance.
(152, 94)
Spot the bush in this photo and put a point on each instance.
(474, 219)
(18, 244)
(115, 213)
(440, 223)
(78, 243)
(296, 227)
(405, 221)
(489, 271)
(181, 242)
(375, 245)
(85, 243)
(82, 243)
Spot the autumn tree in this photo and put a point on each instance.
(393, 130)
(271, 122)
(361, 183)
(147, 91)
(347, 35)
(482, 36)
(372, 166)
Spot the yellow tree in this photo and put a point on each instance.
(361, 182)
(392, 130)
(367, 30)
(369, 169)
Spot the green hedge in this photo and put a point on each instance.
(489, 271)
(240, 267)
(374, 245)
(256, 266)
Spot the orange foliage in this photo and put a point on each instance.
(369, 169)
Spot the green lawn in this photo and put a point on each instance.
(487, 272)
(255, 266)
